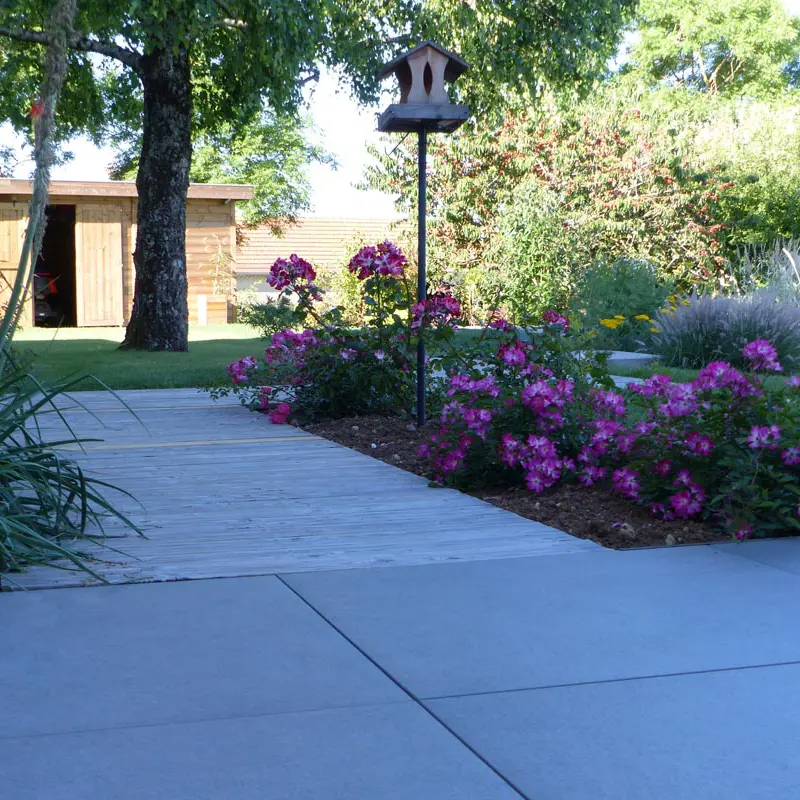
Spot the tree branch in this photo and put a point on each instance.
(83, 43)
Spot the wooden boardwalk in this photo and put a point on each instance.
(222, 492)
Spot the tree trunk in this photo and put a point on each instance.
(160, 317)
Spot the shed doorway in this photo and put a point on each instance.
(54, 282)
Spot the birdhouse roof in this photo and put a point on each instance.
(456, 66)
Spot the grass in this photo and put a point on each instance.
(53, 355)
(771, 382)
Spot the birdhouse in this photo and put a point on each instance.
(421, 74)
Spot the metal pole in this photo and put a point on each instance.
(422, 292)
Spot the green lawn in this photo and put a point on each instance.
(771, 382)
(53, 355)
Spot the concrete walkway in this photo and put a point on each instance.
(661, 675)
(577, 674)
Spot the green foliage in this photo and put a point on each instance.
(706, 329)
(519, 211)
(717, 46)
(270, 317)
(247, 53)
(626, 288)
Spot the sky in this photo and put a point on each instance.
(342, 127)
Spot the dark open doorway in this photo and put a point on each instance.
(54, 276)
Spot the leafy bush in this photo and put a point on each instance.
(619, 301)
(704, 329)
(269, 317)
(720, 448)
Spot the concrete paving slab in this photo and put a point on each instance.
(78, 659)
(494, 625)
(779, 553)
(394, 752)
(711, 736)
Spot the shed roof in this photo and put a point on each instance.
(197, 191)
(324, 242)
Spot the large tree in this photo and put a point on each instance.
(748, 47)
(219, 61)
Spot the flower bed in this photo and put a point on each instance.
(521, 411)
(589, 513)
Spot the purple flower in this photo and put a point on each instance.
(763, 437)
(791, 456)
(591, 474)
(699, 444)
(626, 481)
(685, 505)
(762, 355)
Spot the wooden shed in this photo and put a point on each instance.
(85, 275)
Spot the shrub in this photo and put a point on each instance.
(719, 448)
(628, 291)
(700, 330)
(332, 369)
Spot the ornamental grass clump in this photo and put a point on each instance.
(706, 329)
(719, 449)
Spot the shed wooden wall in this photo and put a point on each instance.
(210, 231)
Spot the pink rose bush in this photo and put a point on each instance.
(317, 366)
(720, 448)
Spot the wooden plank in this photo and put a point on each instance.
(226, 493)
(98, 267)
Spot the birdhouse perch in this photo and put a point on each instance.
(421, 74)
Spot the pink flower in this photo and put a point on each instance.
(744, 532)
(239, 371)
(763, 437)
(591, 474)
(509, 450)
(379, 355)
(513, 354)
(685, 505)
(535, 482)
(791, 456)
(554, 318)
(610, 401)
(440, 309)
(699, 444)
(663, 467)
(385, 259)
(347, 354)
(626, 481)
(292, 273)
(537, 396)
(500, 324)
(478, 420)
(762, 355)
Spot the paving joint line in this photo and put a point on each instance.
(407, 691)
(199, 720)
(627, 679)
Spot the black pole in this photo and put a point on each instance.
(422, 291)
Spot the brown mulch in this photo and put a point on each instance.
(593, 513)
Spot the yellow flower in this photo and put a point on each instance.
(654, 330)
(611, 323)
(642, 317)
(619, 316)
